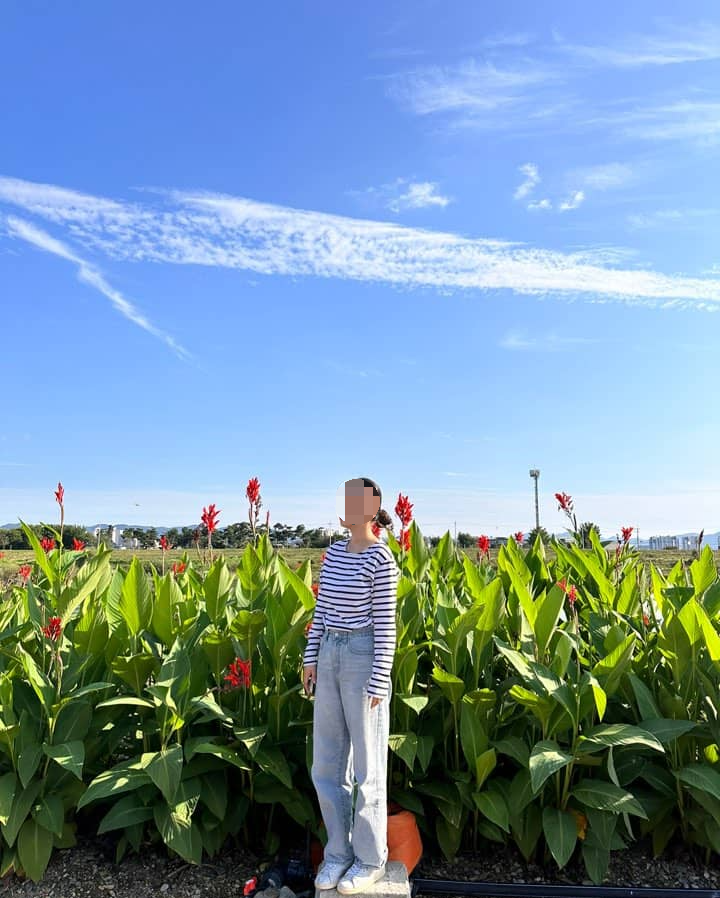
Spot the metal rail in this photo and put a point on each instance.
(420, 886)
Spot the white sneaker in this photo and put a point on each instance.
(359, 878)
(329, 874)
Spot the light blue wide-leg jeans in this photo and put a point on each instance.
(350, 738)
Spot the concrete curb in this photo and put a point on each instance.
(395, 884)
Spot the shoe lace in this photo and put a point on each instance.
(357, 869)
(331, 867)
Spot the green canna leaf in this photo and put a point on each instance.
(135, 604)
(35, 845)
(546, 758)
(560, 832)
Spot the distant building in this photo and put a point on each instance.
(664, 542)
(116, 538)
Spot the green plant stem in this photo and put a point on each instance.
(269, 824)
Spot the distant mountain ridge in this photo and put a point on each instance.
(91, 527)
(709, 539)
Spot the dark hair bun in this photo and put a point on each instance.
(384, 519)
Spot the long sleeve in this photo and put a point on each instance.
(317, 628)
(384, 607)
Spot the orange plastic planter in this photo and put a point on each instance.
(403, 837)
(403, 840)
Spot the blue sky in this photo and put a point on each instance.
(436, 244)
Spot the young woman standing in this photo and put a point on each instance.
(348, 661)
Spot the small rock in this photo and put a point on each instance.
(286, 892)
(164, 887)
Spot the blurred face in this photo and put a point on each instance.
(360, 505)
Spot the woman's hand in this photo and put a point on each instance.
(309, 678)
(374, 700)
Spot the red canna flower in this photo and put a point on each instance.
(315, 588)
(375, 527)
(178, 567)
(405, 540)
(519, 537)
(484, 544)
(322, 557)
(48, 543)
(164, 544)
(209, 518)
(53, 629)
(570, 591)
(626, 534)
(646, 620)
(238, 673)
(78, 544)
(25, 571)
(403, 509)
(307, 628)
(565, 501)
(253, 490)
(2, 554)
(250, 885)
(60, 494)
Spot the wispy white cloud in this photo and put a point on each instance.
(671, 218)
(508, 39)
(670, 46)
(574, 201)
(532, 179)
(202, 228)
(404, 193)
(557, 87)
(696, 120)
(470, 87)
(604, 254)
(396, 53)
(89, 275)
(419, 195)
(608, 176)
(551, 342)
(543, 204)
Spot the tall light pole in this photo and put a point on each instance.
(535, 473)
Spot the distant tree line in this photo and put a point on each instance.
(238, 535)
(16, 539)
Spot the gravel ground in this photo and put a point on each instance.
(634, 867)
(88, 871)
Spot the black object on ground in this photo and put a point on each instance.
(294, 871)
(446, 887)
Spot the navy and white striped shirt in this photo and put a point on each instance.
(359, 589)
